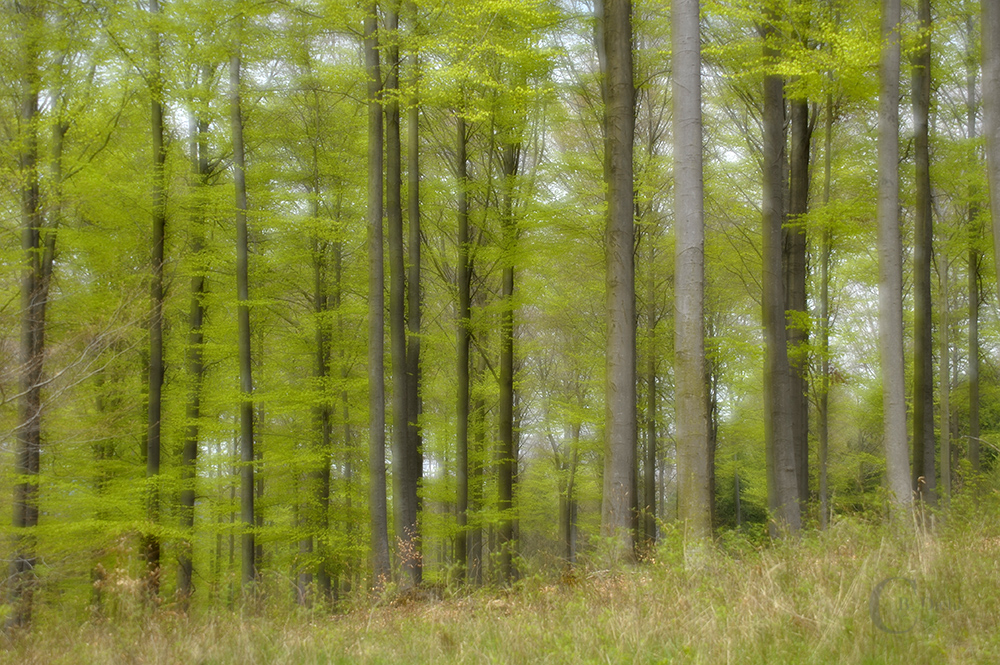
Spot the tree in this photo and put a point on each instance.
(248, 551)
(156, 369)
(694, 502)
(783, 492)
(35, 272)
(376, 340)
(923, 369)
(464, 314)
(414, 304)
(890, 253)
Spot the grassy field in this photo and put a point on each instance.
(853, 594)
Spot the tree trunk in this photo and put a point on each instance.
(404, 486)
(620, 400)
(195, 363)
(464, 314)
(378, 511)
(505, 457)
(29, 432)
(945, 370)
(247, 487)
(990, 35)
(414, 298)
(694, 499)
(796, 305)
(151, 541)
(824, 316)
(780, 445)
(890, 251)
(924, 472)
(975, 232)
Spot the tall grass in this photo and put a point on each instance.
(803, 601)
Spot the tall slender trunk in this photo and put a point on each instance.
(378, 510)
(824, 333)
(780, 445)
(945, 371)
(620, 401)
(795, 290)
(924, 472)
(29, 436)
(989, 31)
(404, 484)
(247, 461)
(506, 461)
(890, 251)
(694, 499)
(195, 363)
(464, 315)
(413, 406)
(975, 232)
(151, 541)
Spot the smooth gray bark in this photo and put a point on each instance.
(694, 499)
(890, 252)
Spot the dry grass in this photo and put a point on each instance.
(800, 602)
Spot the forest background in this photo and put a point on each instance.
(302, 300)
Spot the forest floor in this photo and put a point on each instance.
(851, 594)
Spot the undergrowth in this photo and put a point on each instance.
(855, 593)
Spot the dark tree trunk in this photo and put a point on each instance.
(795, 290)
(823, 414)
(780, 445)
(620, 403)
(151, 541)
(413, 407)
(195, 363)
(505, 458)
(21, 584)
(378, 510)
(248, 557)
(464, 314)
(404, 484)
(924, 473)
(975, 232)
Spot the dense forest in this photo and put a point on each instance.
(303, 299)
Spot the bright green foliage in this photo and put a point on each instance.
(520, 72)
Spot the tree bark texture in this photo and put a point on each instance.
(778, 399)
(620, 392)
(924, 472)
(462, 357)
(694, 499)
(377, 505)
(890, 252)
